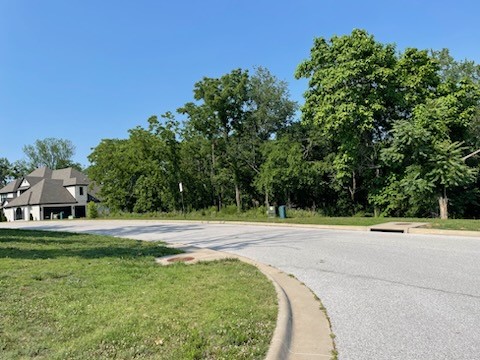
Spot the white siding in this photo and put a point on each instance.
(9, 214)
(26, 213)
(35, 211)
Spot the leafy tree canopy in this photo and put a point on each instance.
(50, 152)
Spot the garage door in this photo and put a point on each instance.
(58, 212)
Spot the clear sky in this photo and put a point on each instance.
(85, 70)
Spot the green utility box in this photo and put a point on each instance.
(282, 211)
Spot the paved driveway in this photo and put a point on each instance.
(389, 296)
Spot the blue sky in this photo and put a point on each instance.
(88, 70)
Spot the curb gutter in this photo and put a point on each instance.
(444, 232)
(302, 331)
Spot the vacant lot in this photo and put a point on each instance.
(72, 296)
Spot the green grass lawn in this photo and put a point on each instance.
(73, 296)
(450, 224)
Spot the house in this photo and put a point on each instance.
(46, 194)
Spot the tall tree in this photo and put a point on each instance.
(50, 152)
(269, 112)
(350, 95)
(456, 71)
(237, 113)
(218, 117)
(426, 151)
(139, 173)
(112, 169)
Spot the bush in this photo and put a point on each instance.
(92, 210)
(230, 210)
(300, 213)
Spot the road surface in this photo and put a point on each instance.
(389, 296)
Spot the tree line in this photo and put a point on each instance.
(381, 132)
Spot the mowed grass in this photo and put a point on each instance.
(448, 224)
(73, 296)
(304, 217)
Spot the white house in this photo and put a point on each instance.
(46, 194)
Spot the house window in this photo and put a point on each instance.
(81, 190)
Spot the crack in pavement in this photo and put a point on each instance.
(366, 277)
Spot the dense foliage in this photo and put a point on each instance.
(381, 132)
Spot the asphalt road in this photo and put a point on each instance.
(389, 296)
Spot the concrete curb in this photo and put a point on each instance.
(282, 336)
(426, 231)
(302, 330)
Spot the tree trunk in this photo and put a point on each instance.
(267, 201)
(353, 189)
(212, 178)
(443, 204)
(220, 199)
(376, 210)
(238, 198)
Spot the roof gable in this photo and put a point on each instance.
(11, 187)
(25, 183)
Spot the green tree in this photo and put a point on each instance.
(157, 153)
(287, 173)
(92, 210)
(195, 171)
(112, 164)
(237, 113)
(139, 173)
(218, 117)
(350, 97)
(269, 112)
(5, 171)
(455, 71)
(426, 151)
(19, 168)
(50, 152)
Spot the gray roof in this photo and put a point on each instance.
(32, 180)
(11, 186)
(42, 172)
(70, 177)
(46, 191)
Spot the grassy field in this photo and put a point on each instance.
(302, 217)
(72, 296)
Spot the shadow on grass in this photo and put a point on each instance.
(26, 244)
